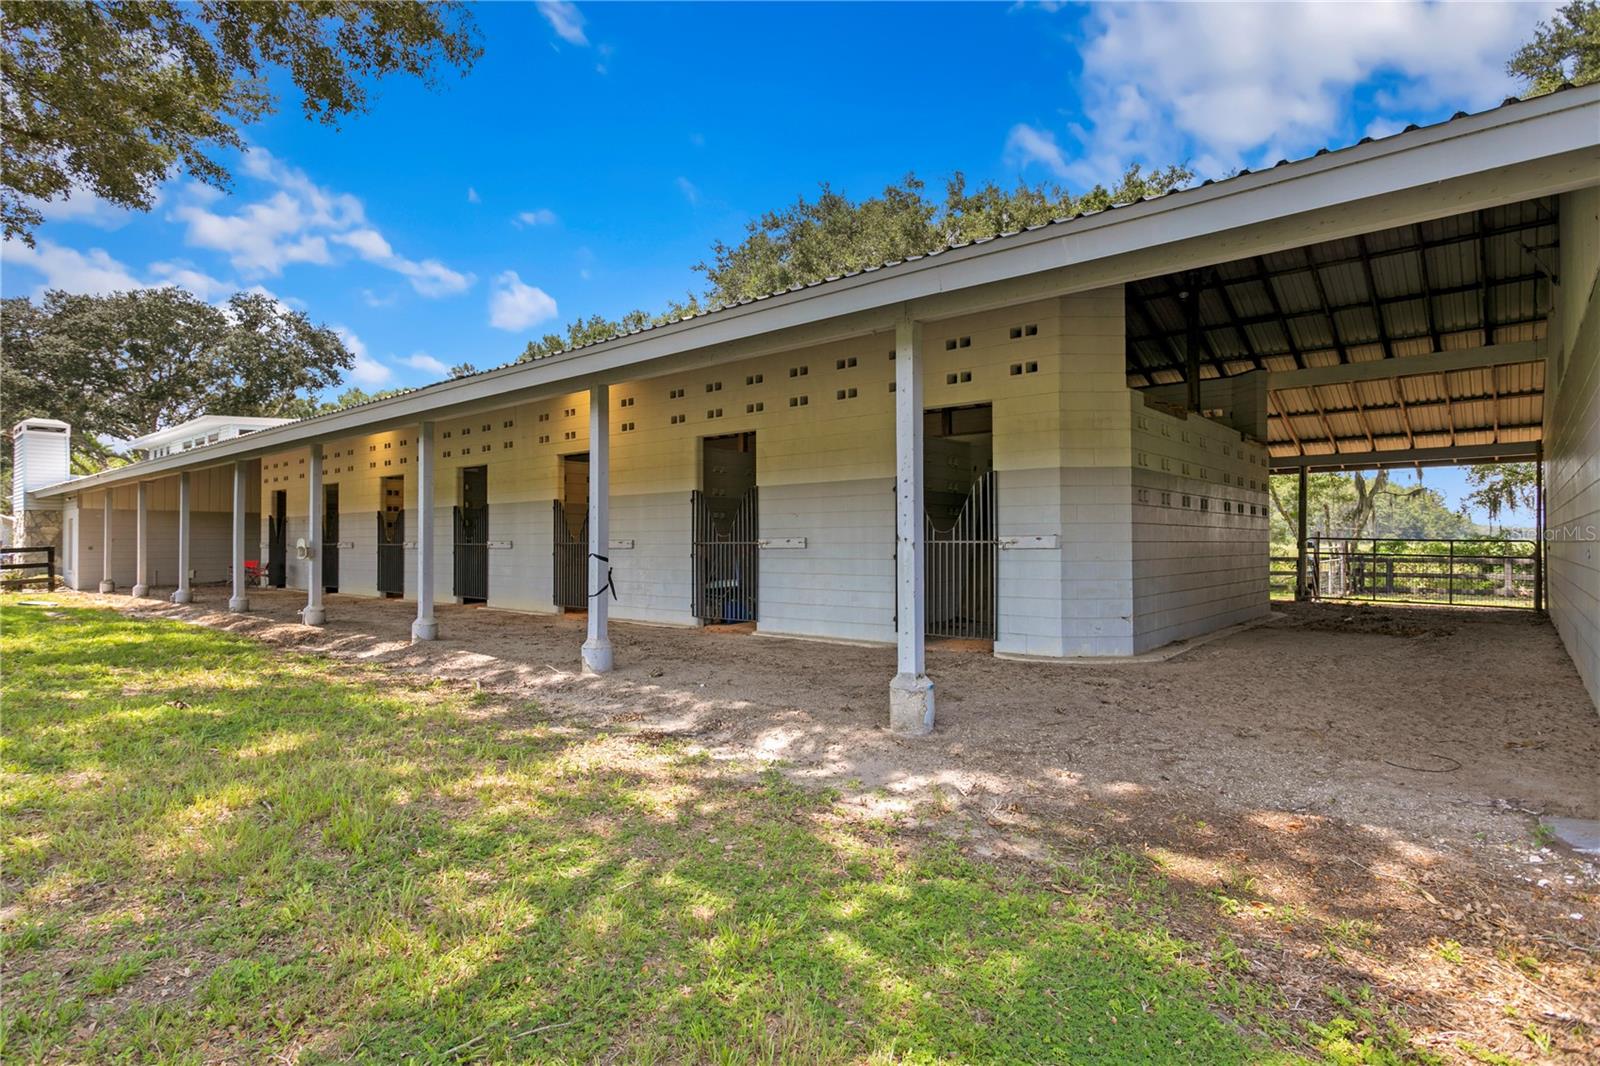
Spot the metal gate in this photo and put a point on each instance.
(330, 539)
(472, 552)
(392, 553)
(277, 547)
(963, 562)
(726, 557)
(571, 562)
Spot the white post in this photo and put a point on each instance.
(106, 584)
(239, 601)
(597, 656)
(314, 615)
(141, 546)
(183, 594)
(911, 691)
(425, 627)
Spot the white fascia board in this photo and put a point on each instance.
(1534, 148)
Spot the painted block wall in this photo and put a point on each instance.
(211, 553)
(1200, 527)
(1063, 449)
(1572, 441)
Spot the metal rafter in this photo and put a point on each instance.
(1372, 296)
(1427, 291)
(1283, 420)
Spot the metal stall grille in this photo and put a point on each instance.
(726, 557)
(278, 543)
(571, 562)
(391, 553)
(963, 562)
(330, 539)
(472, 552)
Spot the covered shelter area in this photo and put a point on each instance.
(982, 540)
(1055, 444)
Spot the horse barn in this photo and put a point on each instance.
(1056, 441)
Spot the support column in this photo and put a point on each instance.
(141, 532)
(1538, 530)
(425, 627)
(597, 655)
(911, 691)
(183, 593)
(106, 584)
(240, 600)
(313, 614)
(1301, 590)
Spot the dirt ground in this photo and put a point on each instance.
(1350, 793)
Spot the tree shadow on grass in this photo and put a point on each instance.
(386, 873)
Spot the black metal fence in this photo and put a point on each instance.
(392, 553)
(471, 552)
(12, 565)
(1478, 572)
(571, 562)
(726, 557)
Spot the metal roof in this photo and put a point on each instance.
(1543, 144)
(1464, 281)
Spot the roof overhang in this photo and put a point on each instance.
(1539, 147)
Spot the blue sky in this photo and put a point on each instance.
(597, 150)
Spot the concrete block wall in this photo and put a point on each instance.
(1200, 527)
(1063, 448)
(211, 552)
(1572, 440)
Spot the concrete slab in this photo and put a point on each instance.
(1580, 834)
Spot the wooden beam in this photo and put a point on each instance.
(1372, 296)
(1283, 419)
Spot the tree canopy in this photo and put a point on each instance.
(1567, 48)
(1363, 505)
(813, 239)
(128, 364)
(112, 98)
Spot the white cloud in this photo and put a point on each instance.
(1026, 145)
(82, 205)
(427, 363)
(541, 216)
(472, 196)
(565, 18)
(367, 371)
(94, 272)
(184, 275)
(300, 222)
(1232, 85)
(689, 190)
(429, 276)
(514, 305)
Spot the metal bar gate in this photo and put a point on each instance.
(726, 557)
(277, 550)
(392, 553)
(571, 562)
(963, 563)
(472, 552)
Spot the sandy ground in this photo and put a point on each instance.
(1337, 764)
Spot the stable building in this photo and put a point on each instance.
(1058, 441)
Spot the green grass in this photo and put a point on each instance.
(212, 850)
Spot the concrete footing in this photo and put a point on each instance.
(108, 586)
(140, 591)
(313, 616)
(421, 630)
(911, 705)
(238, 604)
(597, 657)
(182, 596)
